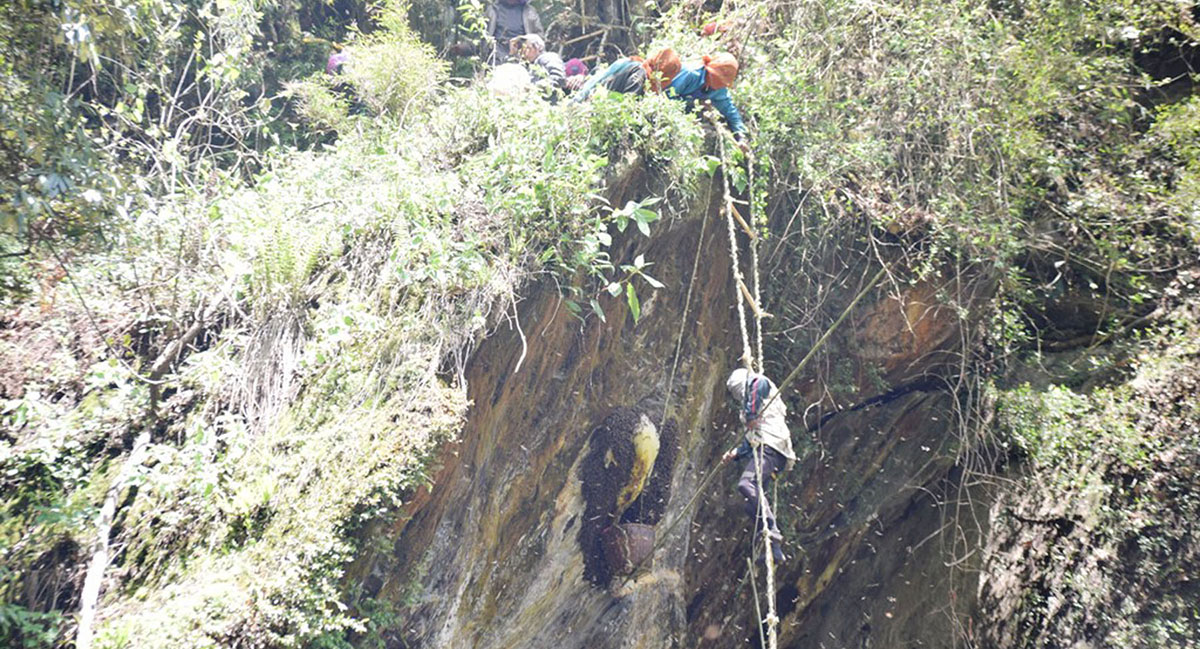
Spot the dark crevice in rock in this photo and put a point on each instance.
(1062, 525)
(924, 384)
(786, 599)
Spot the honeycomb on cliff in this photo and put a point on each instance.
(605, 472)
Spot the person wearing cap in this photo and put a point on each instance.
(767, 445)
(634, 74)
(710, 80)
(546, 68)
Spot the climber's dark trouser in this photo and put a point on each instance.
(772, 462)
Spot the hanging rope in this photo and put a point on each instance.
(687, 304)
(748, 355)
(739, 285)
(772, 619)
(758, 314)
(700, 488)
(752, 358)
(748, 358)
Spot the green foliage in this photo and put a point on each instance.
(1177, 131)
(636, 269)
(320, 104)
(472, 20)
(392, 71)
(347, 282)
(1106, 507)
(15, 276)
(109, 103)
(961, 144)
(381, 615)
(636, 212)
(1061, 429)
(21, 628)
(48, 159)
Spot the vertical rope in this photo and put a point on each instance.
(687, 304)
(747, 352)
(772, 619)
(758, 351)
(748, 358)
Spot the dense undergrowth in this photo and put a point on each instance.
(1012, 156)
(1098, 542)
(341, 290)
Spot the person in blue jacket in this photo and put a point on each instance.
(710, 81)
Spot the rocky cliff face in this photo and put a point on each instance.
(491, 556)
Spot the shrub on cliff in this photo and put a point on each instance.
(340, 290)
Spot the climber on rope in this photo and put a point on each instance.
(632, 75)
(768, 443)
(710, 81)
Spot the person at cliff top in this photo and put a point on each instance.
(576, 71)
(768, 443)
(337, 59)
(546, 68)
(710, 80)
(506, 20)
(633, 74)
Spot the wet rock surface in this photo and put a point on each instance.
(491, 557)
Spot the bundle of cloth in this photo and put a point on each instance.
(509, 80)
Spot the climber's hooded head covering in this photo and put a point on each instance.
(736, 383)
(720, 70)
(661, 67)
